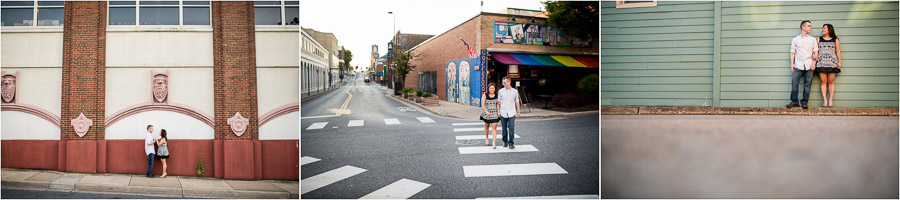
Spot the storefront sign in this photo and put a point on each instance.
(535, 34)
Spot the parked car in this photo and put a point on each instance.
(367, 79)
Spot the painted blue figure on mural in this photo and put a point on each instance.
(451, 82)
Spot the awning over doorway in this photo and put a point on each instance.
(379, 73)
(547, 60)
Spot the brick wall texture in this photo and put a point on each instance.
(234, 73)
(84, 67)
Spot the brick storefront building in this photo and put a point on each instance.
(221, 79)
(546, 67)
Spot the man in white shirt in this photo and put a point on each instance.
(148, 148)
(509, 110)
(804, 49)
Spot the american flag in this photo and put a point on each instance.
(468, 49)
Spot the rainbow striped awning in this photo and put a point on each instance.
(547, 60)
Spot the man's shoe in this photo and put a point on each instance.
(805, 106)
(511, 146)
(792, 104)
(505, 144)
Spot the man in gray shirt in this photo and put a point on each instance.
(509, 110)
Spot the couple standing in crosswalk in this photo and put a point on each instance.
(500, 106)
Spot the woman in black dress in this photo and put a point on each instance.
(490, 114)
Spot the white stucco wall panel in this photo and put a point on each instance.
(276, 87)
(278, 49)
(164, 49)
(188, 86)
(285, 127)
(23, 126)
(31, 49)
(177, 125)
(39, 87)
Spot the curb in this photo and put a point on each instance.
(316, 95)
(706, 110)
(520, 117)
(152, 191)
(422, 107)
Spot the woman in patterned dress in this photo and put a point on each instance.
(163, 151)
(490, 116)
(828, 63)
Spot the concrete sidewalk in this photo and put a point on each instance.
(464, 112)
(170, 186)
(708, 110)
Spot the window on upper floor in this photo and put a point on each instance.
(277, 12)
(26, 13)
(635, 4)
(159, 13)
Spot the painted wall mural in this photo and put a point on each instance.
(464, 81)
(535, 34)
(452, 82)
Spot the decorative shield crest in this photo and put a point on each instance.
(238, 124)
(8, 87)
(160, 86)
(81, 124)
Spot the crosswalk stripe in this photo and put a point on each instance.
(587, 196)
(468, 124)
(500, 149)
(474, 129)
(512, 170)
(391, 121)
(475, 137)
(318, 125)
(329, 177)
(306, 160)
(425, 120)
(402, 189)
(355, 123)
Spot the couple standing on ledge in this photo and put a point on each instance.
(162, 153)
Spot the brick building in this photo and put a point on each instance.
(540, 59)
(82, 84)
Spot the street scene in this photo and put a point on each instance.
(382, 146)
(395, 105)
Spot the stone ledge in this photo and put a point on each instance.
(707, 110)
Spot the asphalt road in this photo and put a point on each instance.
(428, 152)
(749, 156)
(44, 194)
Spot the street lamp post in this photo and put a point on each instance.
(390, 51)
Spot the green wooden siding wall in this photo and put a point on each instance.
(736, 54)
(659, 55)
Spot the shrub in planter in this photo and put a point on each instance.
(418, 93)
(569, 100)
(430, 100)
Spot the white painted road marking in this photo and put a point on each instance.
(355, 123)
(323, 116)
(329, 177)
(512, 170)
(500, 149)
(306, 160)
(468, 124)
(475, 137)
(402, 189)
(391, 121)
(425, 120)
(587, 196)
(475, 129)
(318, 125)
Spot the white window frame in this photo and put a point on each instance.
(622, 4)
(137, 13)
(34, 13)
(283, 7)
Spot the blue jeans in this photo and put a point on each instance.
(508, 125)
(150, 166)
(795, 81)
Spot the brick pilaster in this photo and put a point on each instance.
(235, 67)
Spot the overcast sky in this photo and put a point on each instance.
(358, 24)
